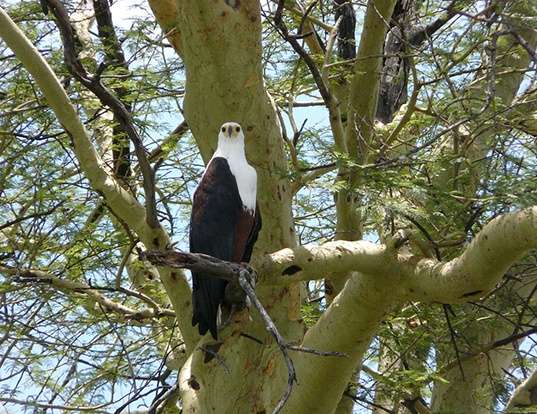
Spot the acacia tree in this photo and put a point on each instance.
(395, 257)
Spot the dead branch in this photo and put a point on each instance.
(244, 281)
(197, 262)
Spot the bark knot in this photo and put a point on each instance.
(472, 293)
(291, 270)
(193, 383)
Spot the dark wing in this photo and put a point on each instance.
(213, 224)
(250, 229)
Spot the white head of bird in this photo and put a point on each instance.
(230, 140)
(231, 147)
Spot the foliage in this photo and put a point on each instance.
(428, 180)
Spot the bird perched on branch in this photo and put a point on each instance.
(225, 221)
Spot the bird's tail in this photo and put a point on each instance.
(207, 296)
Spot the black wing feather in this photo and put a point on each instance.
(215, 212)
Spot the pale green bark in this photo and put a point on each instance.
(221, 49)
(362, 104)
(361, 100)
(474, 392)
(483, 263)
(366, 78)
(346, 326)
(524, 397)
(316, 262)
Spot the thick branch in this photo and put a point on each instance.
(352, 319)
(288, 266)
(523, 113)
(497, 246)
(462, 279)
(317, 262)
(347, 326)
(366, 77)
(362, 103)
(243, 275)
(525, 396)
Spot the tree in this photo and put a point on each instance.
(396, 256)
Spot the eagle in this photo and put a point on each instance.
(225, 221)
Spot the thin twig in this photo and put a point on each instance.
(163, 398)
(30, 216)
(453, 340)
(316, 352)
(271, 327)
(329, 47)
(297, 134)
(75, 67)
(284, 32)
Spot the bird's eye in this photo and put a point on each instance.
(223, 129)
(238, 129)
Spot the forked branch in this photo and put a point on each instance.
(245, 276)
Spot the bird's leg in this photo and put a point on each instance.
(234, 296)
(235, 299)
(226, 317)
